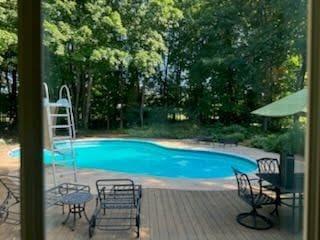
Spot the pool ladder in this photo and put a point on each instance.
(60, 131)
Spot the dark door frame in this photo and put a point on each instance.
(30, 119)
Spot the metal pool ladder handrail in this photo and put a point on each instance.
(59, 126)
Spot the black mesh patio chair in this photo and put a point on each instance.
(270, 166)
(10, 204)
(256, 200)
(118, 206)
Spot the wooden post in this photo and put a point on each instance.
(312, 193)
(30, 119)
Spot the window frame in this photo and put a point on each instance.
(312, 169)
(30, 118)
(30, 122)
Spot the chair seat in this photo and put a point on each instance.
(269, 187)
(260, 199)
(119, 206)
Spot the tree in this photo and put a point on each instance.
(8, 56)
(211, 60)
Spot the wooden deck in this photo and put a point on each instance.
(174, 215)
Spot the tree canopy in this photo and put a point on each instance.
(130, 62)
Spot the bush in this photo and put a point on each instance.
(257, 141)
(291, 141)
(237, 136)
(178, 131)
(234, 132)
(233, 129)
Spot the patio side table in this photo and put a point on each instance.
(77, 205)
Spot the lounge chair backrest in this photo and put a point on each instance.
(268, 165)
(12, 185)
(116, 187)
(244, 186)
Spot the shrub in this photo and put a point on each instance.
(232, 129)
(237, 136)
(291, 141)
(178, 131)
(257, 141)
(271, 143)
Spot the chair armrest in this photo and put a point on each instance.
(138, 206)
(255, 179)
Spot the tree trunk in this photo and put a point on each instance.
(7, 80)
(301, 76)
(165, 81)
(142, 104)
(265, 124)
(77, 97)
(121, 95)
(87, 101)
(121, 118)
(300, 82)
(13, 99)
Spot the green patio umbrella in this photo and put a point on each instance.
(289, 105)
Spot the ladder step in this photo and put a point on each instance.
(64, 151)
(62, 138)
(65, 173)
(59, 104)
(69, 154)
(59, 115)
(61, 126)
(63, 161)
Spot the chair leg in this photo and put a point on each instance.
(275, 210)
(63, 212)
(252, 223)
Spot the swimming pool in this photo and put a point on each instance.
(148, 158)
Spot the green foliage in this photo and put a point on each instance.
(292, 141)
(174, 131)
(268, 143)
(214, 60)
(237, 137)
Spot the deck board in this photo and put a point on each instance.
(174, 214)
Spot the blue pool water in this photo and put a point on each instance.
(146, 158)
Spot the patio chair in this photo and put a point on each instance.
(270, 166)
(10, 205)
(118, 206)
(256, 200)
